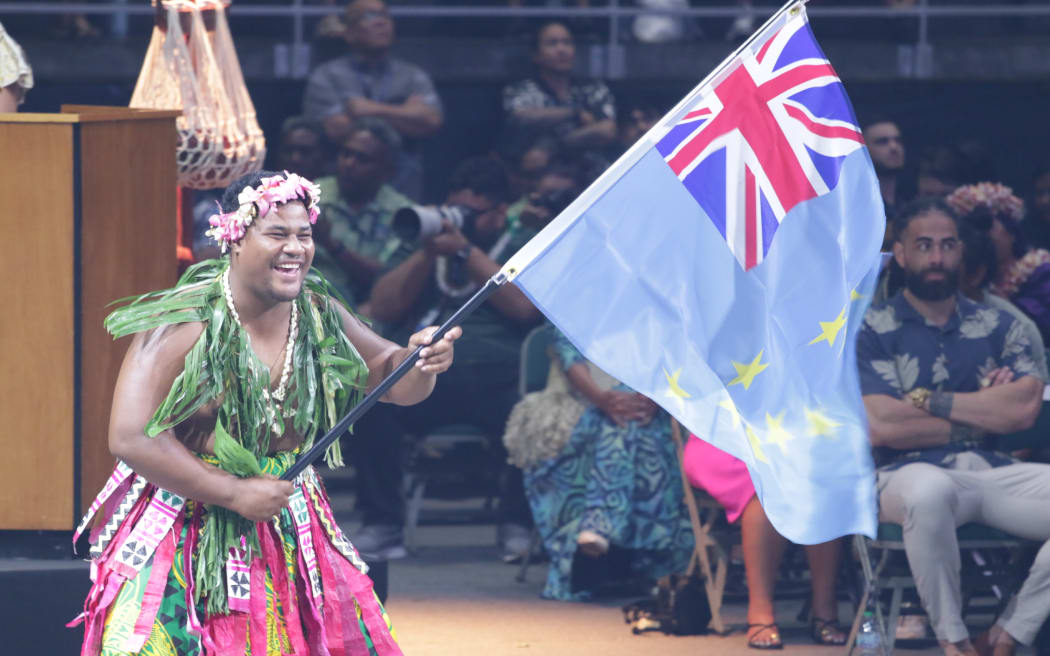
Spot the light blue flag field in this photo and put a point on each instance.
(723, 266)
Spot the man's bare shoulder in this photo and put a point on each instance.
(347, 319)
(167, 343)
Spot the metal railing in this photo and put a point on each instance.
(614, 12)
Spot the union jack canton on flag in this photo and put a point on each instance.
(722, 267)
(772, 133)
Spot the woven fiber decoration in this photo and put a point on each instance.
(191, 65)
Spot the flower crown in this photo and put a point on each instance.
(229, 227)
(996, 198)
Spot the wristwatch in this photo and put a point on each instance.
(463, 254)
(918, 397)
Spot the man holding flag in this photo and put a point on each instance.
(722, 267)
(735, 247)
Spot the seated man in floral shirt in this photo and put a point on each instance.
(938, 372)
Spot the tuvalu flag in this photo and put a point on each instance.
(722, 267)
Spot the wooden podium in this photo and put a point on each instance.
(87, 201)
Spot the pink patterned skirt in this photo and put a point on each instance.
(305, 591)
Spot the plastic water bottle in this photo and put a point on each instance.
(869, 641)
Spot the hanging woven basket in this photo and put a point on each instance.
(191, 65)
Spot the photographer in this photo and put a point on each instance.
(460, 245)
(555, 188)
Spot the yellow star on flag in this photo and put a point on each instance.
(854, 295)
(756, 448)
(676, 389)
(734, 414)
(777, 433)
(745, 373)
(830, 329)
(820, 424)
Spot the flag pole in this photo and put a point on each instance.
(539, 243)
(320, 446)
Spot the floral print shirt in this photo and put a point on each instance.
(898, 351)
(592, 96)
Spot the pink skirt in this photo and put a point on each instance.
(305, 591)
(719, 474)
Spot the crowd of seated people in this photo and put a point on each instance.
(952, 351)
(934, 471)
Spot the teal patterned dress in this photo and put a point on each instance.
(623, 483)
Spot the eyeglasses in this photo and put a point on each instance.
(372, 15)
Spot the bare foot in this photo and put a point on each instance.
(995, 642)
(961, 648)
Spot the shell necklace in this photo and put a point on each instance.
(293, 331)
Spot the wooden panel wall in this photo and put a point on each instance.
(36, 331)
(128, 247)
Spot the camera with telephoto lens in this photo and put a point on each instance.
(417, 223)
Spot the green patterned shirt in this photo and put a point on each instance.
(366, 231)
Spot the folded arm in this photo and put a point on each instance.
(541, 116)
(1001, 408)
(900, 425)
(413, 118)
(1005, 408)
(597, 133)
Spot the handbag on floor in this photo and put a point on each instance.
(678, 607)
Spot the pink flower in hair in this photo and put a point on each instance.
(253, 197)
(995, 197)
(255, 202)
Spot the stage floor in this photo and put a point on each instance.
(453, 596)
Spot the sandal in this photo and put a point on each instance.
(766, 636)
(827, 632)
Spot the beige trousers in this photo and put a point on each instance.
(930, 502)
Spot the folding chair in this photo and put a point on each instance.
(534, 366)
(535, 360)
(991, 568)
(440, 455)
(710, 554)
(987, 581)
(532, 377)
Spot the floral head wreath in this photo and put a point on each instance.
(229, 227)
(996, 198)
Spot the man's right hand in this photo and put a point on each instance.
(1000, 376)
(260, 498)
(447, 242)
